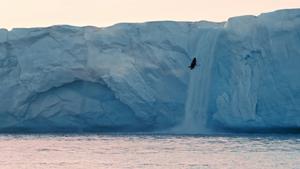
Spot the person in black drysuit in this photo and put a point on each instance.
(193, 64)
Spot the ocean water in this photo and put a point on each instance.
(149, 151)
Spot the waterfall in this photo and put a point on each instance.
(198, 94)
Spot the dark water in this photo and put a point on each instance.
(149, 151)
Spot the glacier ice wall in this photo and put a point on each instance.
(134, 77)
(260, 85)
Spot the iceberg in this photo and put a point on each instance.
(135, 76)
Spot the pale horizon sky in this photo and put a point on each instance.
(41, 13)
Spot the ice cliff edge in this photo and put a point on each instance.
(134, 77)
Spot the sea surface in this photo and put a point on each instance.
(140, 151)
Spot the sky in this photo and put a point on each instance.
(41, 13)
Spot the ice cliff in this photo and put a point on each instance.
(134, 77)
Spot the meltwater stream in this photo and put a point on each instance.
(198, 94)
(149, 151)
